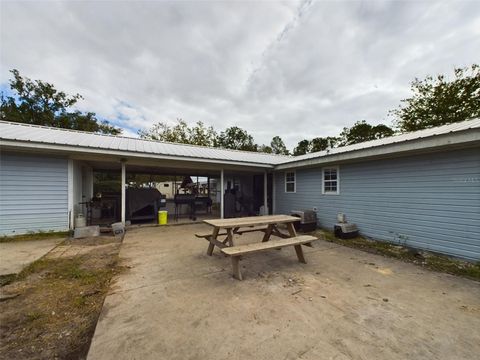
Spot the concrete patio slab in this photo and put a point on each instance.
(15, 255)
(175, 302)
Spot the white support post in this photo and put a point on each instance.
(274, 205)
(71, 214)
(90, 184)
(265, 193)
(124, 180)
(222, 190)
(87, 183)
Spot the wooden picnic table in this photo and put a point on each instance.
(267, 224)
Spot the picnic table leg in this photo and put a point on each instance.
(291, 230)
(212, 245)
(210, 249)
(230, 237)
(277, 233)
(293, 233)
(268, 233)
(237, 274)
(299, 251)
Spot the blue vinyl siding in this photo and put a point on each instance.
(429, 201)
(33, 194)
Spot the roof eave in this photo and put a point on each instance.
(465, 137)
(29, 145)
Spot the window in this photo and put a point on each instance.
(290, 182)
(331, 181)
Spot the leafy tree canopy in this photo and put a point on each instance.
(361, 131)
(237, 139)
(197, 134)
(317, 144)
(202, 135)
(278, 146)
(265, 149)
(323, 143)
(302, 148)
(438, 101)
(39, 103)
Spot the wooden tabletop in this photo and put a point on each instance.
(251, 221)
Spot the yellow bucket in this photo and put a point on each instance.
(162, 217)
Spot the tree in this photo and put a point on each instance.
(438, 101)
(302, 148)
(359, 132)
(362, 131)
(202, 135)
(381, 131)
(164, 132)
(278, 146)
(323, 143)
(38, 102)
(197, 134)
(265, 149)
(237, 139)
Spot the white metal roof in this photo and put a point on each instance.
(396, 139)
(71, 139)
(56, 136)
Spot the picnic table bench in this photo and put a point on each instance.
(236, 251)
(266, 224)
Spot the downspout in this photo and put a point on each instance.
(71, 214)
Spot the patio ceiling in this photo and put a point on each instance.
(162, 167)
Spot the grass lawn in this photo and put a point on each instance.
(425, 259)
(41, 235)
(51, 308)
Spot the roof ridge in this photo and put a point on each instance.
(141, 139)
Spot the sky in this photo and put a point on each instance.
(297, 69)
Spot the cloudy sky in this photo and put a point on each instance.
(294, 69)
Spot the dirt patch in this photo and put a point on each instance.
(51, 308)
(7, 279)
(425, 259)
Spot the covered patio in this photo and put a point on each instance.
(108, 189)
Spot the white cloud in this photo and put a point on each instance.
(294, 69)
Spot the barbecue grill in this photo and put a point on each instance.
(185, 199)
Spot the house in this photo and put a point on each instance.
(420, 189)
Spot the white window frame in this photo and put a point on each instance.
(337, 168)
(289, 182)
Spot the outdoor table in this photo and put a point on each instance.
(238, 225)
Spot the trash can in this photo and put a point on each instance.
(80, 221)
(162, 217)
